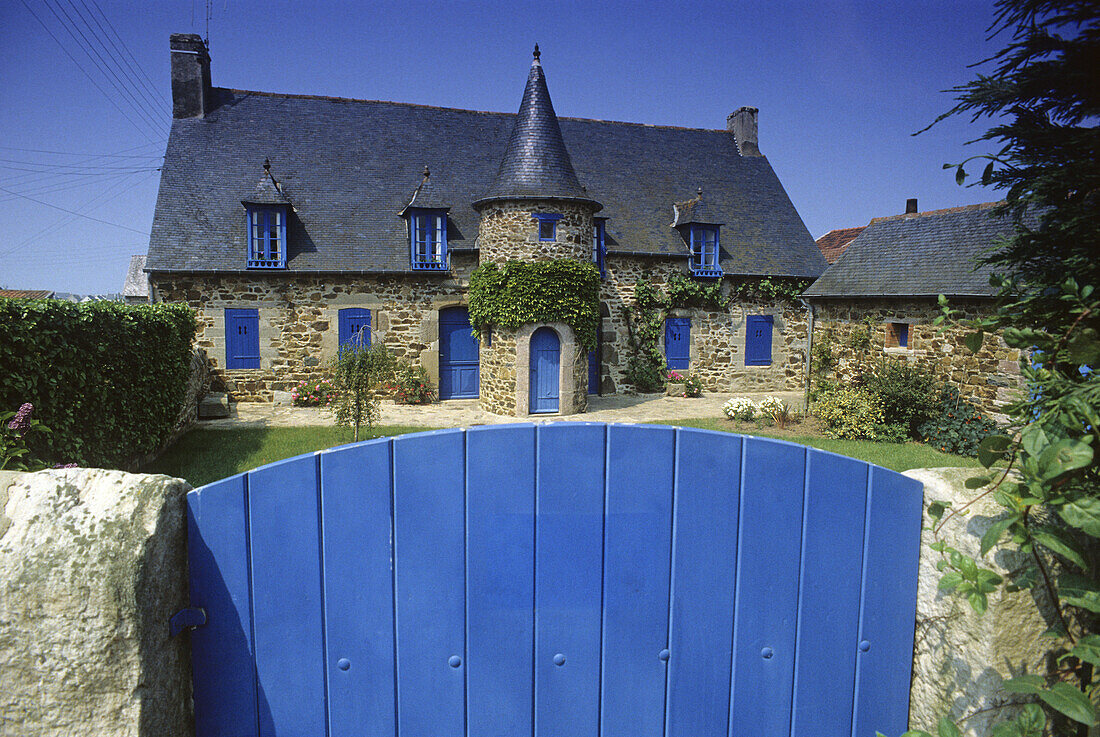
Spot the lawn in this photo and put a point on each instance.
(205, 455)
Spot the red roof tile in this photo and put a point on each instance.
(26, 293)
(833, 243)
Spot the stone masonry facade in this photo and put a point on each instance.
(857, 332)
(509, 232)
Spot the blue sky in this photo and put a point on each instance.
(841, 86)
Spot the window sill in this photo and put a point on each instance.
(430, 266)
(706, 273)
(265, 264)
(898, 351)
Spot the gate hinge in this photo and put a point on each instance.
(186, 619)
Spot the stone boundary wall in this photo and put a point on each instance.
(991, 378)
(92, 565)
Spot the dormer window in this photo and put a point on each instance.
(548, 225)
(704, 250)
(599, 246)
(266, 236)
(428, 239)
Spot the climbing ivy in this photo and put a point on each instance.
(769, 289)
(645, 367)
(522, 293)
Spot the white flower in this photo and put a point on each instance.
(740, 408)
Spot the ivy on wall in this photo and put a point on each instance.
(769, 289)
(522, 293)
(107, 379)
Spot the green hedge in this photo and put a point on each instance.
(107, 379)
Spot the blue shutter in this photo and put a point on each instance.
(242, 338)
(758, 340)
(352, 320)
(678, 342)
(903, 334)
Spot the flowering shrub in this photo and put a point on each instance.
(692, 386)
(777, 410)
(314, 393)
(958, 427)
(740, 408)
(411, 385)
(852, 414)
(15, 428)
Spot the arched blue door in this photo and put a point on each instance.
(545, 355)
(459, 374)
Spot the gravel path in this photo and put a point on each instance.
(465, 412)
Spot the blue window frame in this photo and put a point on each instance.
(242, 338)
(266, 236)
(758, 340)
(354, 327)
(548, 225)
(428, 239)
(704, 250)
(599, 247)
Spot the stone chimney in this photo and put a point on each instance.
(742, 124)
(911, 206)
(191, 94)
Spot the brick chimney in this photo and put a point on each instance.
(742, 124)
(911, 206)
(191, 93)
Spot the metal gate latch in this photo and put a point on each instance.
(186, 619)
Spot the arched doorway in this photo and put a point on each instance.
(459, 375)
(545, 372)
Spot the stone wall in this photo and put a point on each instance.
(505, 371)
(92, 565)
(717, 337)
(507, 232)
(960, 658)
(299, 328)
(856, 330)
(498, 372)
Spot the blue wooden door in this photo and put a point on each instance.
(242, 338)
(593, 372)
(545, 373)
(354, 326)
(678, 342)
(558, 579)
(758, 340)
(459, 373)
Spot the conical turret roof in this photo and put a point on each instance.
(536, 164)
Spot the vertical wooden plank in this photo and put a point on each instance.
(637, 544)
(889, 604)
(828, 621)
(769, 541)
(284, 528)
(500, 580)
(356, 518)
(703, 565)
(429, 560)
(568, 579)
(224, 675)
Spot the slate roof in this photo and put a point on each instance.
(693, 211)
(349, 167)
(267, 191)
(833, 243)
(427, 196)
(536, 163)
(918, 255)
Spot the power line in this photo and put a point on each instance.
(52, 187)
(85, 44)
(72, 212)
(110, 99)
(149, 85)
(84, 153)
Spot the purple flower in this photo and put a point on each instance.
(65, 465)
(20, 422)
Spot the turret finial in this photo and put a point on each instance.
(699, 192)
(537, 52)
(426, 172)
(267, 165)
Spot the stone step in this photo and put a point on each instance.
(214, 406)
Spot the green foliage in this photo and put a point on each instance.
(16, 428)
(956, 425)
(908, 394)
(851, 413)
(108, 379)
(683, 291)
(410, 384)
(316, 392)
(359, 372)
(770, 289)
(522, 293)
(822, 361)
(1040, 100)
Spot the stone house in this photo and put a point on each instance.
(293, 223)
(879, 298)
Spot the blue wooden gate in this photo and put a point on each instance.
(545, 371)
(561, 579)
(459, 369)
(678, 342)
